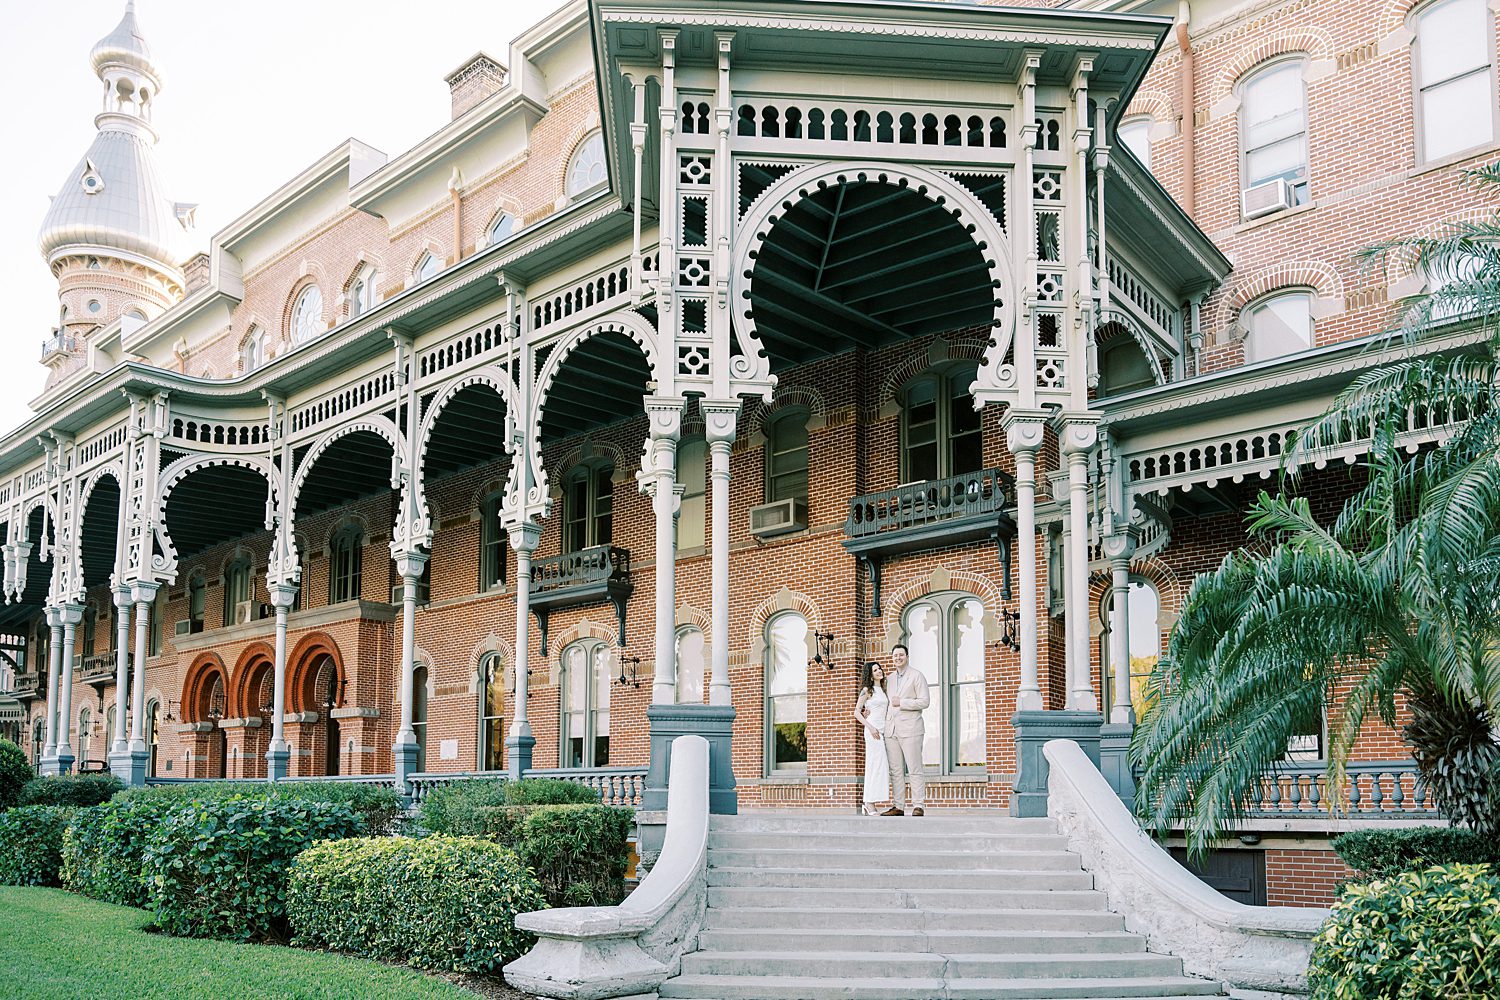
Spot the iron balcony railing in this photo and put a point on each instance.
(56, 345)
(918, 505)
(598, 573)
(98, 667)
(1382, 789)
(617, 786)
(27, 685)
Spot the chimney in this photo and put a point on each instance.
(196, 272)
(479, 77)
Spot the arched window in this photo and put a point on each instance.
(427, 266)
(588, 506)
(197, 594)
(944, 634)
(214, 709)
(43, 652)
(361, 295)
(692, 664)
(307, 315)
(1123, 366)
(491, 544)
(587, 673)
(85, 723)
(38, 740)
(501, 226)
(345, 555)
(1278, 324)
(1144, 608)
(419, 678)
(156, 614)
(492, 713)
(786, 455)
(586, 171)
(329, 694)
(111, 722)
(787, 640)
(692, 512)
(153, 735)
(238, 592)
(90, 628)
(940, 429)
(1273, 128)
(1453, 73)
(1135, 133)
(252, 350)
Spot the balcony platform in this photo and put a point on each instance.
(589, 576)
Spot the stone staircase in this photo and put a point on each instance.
(816, 905)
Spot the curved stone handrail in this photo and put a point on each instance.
(1249, 947)
(593, 952)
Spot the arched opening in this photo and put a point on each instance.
(316, 691)
(491, 712)
(213, 505)
(945, 635)
(865, 264)
(603, 381)
(205, 702)
(419, 712)
(327, 691)
(101, 524)
(468, 433)
(16, 616)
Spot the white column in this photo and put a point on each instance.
(54, 670)
(1079, 433)
(121, 736)
(278, 754)
(1119, 548)
(409, 565)
(1023, 435)
(518, 746)
(143, 594)
(70, 615)
(665, 413)
(720, 418)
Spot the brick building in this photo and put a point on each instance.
(720, 349)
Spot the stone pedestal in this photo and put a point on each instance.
(715, 723)
(139, 761)
(1114, 760)
(65, 763)
(47, 765)
(1033, 730)
(406, 764)
(119, 765)
(276, 764)
(518, 748)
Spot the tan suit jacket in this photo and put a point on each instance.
(906, 722)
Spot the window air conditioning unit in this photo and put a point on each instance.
(246, 612)
(398, 593)
(779, 518)
(1263, 199)
(182, 628)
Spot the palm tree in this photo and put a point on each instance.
(1398, 599)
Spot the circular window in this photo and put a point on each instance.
(307, 315)
(587, 171)
(94, 305)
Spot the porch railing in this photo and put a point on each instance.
(617, 786)
(916, 505)
(1375, 790)
(98, 667)
(26, 685)
(586, 567)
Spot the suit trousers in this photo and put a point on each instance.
(905, 756)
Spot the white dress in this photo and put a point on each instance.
(877, 767)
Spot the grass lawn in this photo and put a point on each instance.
(55, 945)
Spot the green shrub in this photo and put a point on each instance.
(31, 844)
(436, 902)
(15, 771)
(70, 790)
(1383, 853)
(491, 807)
(218, 868)
(104, 847)
(378, 805)
(579, 852)
(1433, 933)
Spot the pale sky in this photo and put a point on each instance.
(252, 94)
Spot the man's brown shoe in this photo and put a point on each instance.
(893, 811)
(918, 811)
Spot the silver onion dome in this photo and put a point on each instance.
(125, 46)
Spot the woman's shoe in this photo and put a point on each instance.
(869, 810)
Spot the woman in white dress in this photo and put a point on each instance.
(869, 712)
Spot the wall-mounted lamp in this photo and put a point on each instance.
(633, 678)
(1008, 620)
(338, 697)
(171, 713)
(824, 641)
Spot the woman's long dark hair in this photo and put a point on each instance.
(867, 676)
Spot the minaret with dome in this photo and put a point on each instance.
(113, 238)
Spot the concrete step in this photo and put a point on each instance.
(882, 839)
(904, 940)
(763, 894)
(754, 987)
(926, 965)
(896, 920)
(878, 862)
(832, 824)
(915, 880)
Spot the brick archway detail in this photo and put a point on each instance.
(1315, 43)
(938, 352)
(785, 398)
(299, 674)
(585, 629)
(1318, 275)
(1156, 104)
(197, 683)
(246, 670)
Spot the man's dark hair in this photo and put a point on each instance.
(901, 646)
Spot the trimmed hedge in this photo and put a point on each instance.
(378, 805)
(104, 847)
(70, 790)
(1433, 933)
(1383, 853)
(579, 852)
(436, 902)
(491, 807)
(218, 868)
(15, 771)
(31, 844)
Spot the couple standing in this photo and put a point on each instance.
(890, 709)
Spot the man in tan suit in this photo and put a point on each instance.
(905, 732)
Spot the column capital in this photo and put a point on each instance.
(720, 419)
(1119, 545)
(144, 591)
(121, 595)
(69, 614)
(1077, 431)
(410, 563)
(525, 536)
(665, 416)
(283, 594)
(1023, 428)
